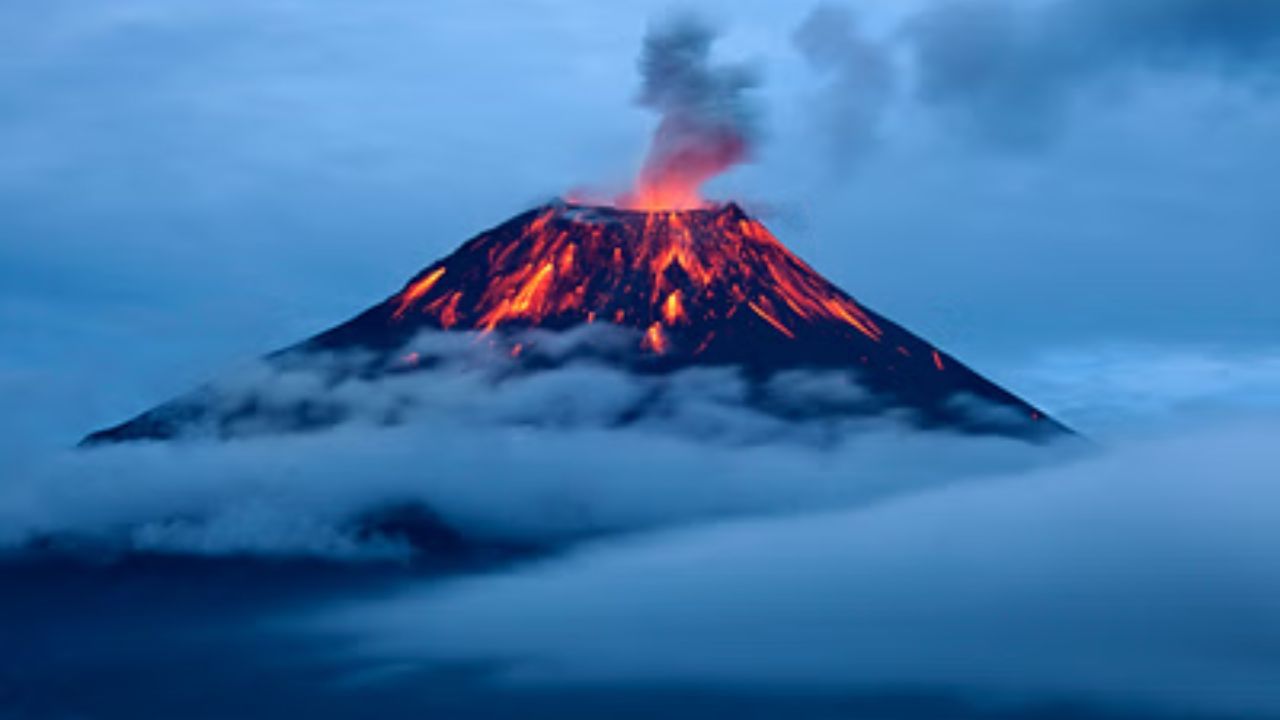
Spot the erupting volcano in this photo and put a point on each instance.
(686, 284)
(690, 288)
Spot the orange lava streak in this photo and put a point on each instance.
(846, 312)
(673, 309)
(540, 223)
(770, 319)
(577, 264)
(449, 314)
(417, 290)
(567, 258)
(675, 243)
(706, 342)
(527, 301)
(654, 340)
(799, 293)
(937, 361)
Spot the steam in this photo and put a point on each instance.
(707, 119)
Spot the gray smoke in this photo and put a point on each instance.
(859, 80)
(708, 119)
(1012, 73)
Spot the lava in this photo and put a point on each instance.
(709, 287)
(769, 318)
(692, 283)
(673, 309)
(417, 290)
(654, 339)
(672, 275)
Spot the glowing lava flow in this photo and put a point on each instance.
(676, 276)
(417, 290)
(691, 288)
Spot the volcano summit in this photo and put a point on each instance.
(707, 287)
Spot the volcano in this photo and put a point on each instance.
(705, 287)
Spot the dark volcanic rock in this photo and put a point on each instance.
(694, 288)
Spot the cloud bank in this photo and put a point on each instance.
(532, 461)
(1141, 579)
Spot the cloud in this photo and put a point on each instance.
(232, 177)
(530, 461)
(1014, 70)
(1141, 579)
(860, 81)
(1132, 388)
(1012, 73)
(562, 379)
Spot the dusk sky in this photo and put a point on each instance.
(1077, 198)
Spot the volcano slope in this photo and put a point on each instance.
(704, 288)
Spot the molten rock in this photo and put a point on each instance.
(706, 287)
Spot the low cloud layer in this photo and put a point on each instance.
(541, 460)
(1128, 389)
(530, 461)
(1141, 580)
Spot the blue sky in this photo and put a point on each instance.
(186, 184)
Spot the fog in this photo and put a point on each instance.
(712, 560)
(532, 461)
(1139, 578)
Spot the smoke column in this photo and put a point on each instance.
(707, 120)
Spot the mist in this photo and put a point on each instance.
(1137, 579)
(535, 462)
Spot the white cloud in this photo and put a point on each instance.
(535, 460)
(1126, 388)
(1143, 576)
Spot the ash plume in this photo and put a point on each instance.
(859, 75)
(1012, 74)
(708, 120)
